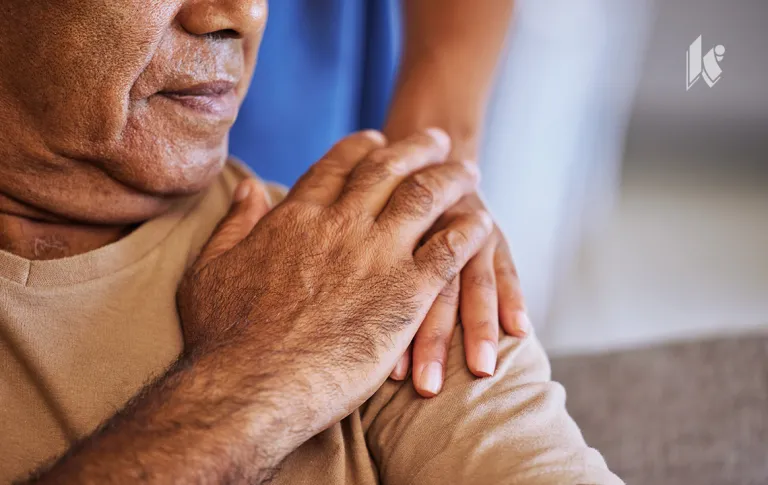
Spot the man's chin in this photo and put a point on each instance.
(138, 195)
(168, 172)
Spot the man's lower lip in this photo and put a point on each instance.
(222, 105)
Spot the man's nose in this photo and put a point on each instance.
(234, 18)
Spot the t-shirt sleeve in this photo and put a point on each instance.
(511, 428)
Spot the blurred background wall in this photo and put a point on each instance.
(637, 210)
(638, 216)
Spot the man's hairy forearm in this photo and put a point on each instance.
(196, 424)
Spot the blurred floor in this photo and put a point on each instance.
(684, 255)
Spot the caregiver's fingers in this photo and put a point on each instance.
(400, 372)
(512, 311)
(372, 182)
(445, 252)
(420, 199)
(325, 180)
(480, 311)
(433, 341)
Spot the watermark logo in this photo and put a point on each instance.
(705, 66)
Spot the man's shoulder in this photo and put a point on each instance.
(512, 427)
(520, 361)
(236, 171)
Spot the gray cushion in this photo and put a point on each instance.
(691, 413)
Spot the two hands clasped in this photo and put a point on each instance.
(379, 246)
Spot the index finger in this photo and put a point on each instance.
(325, 180)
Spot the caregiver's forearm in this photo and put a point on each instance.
(450, 54)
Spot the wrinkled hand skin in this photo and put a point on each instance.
(310, 276)
(327, 284)
(293, 319)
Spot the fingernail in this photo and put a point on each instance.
(440, 136)
(242, 191)
(376, 136)
(522, 323)
(432, 378)
(486, 359)
(400, 371)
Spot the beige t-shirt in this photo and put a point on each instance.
(79, 336)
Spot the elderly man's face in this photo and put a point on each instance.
(111, 107)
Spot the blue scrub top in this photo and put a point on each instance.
(325, 69)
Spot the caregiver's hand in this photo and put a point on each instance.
(327, 291)
(486, 294)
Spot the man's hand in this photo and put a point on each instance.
(333, 282)
(292, 325)
(331, 285)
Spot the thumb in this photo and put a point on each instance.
(249, 204)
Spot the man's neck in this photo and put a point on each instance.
(32, 234)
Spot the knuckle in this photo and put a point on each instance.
(377, 168)
(313, 172)
(464, 175)
(449, 294)
(396, 164)
(484, 281)
(506, 271)
(369, 174)
(419, 193)
(349, 215)
(383, 157)
(291, 210)
(434, 339)
(330, 166)
(424, 139)
(454, 242)
(389, 160)
(315, 176)
(482, 325)
(446, 256)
